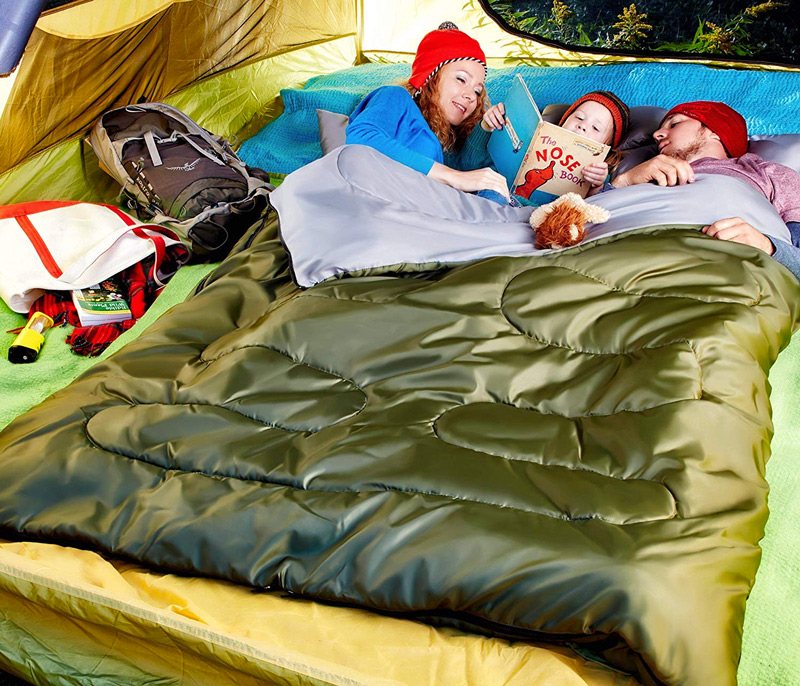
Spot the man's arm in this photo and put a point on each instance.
(788, 256)
(661, 169)
(737, 230)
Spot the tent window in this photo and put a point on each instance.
(730, 30)
(52, 4)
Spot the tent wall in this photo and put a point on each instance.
(223, 63)
(392, 31)
(69, 170)
(69, 77)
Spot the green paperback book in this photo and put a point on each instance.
(102, 303)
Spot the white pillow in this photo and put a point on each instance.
(332, 127)
(782, 148)
(637, 143)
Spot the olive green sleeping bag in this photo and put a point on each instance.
(567, 447)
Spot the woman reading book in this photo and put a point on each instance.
(599, 115)
(434, 111)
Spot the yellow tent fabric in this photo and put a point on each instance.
(65, 83)
(142, 624)
(82, 20)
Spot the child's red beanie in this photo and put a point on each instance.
(620, 114)
(723, 120)
(440, 47)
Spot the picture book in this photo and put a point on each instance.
(540, 160)
(102, 303)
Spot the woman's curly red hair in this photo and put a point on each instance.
(451, 137)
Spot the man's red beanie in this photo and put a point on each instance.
(725, 121)
(440, 47)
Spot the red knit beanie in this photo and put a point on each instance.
(620, 115)
(445, 44)
(725, 121)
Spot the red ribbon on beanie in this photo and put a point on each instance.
(723, 120)
(439, 47)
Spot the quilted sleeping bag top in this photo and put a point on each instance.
(567, 447)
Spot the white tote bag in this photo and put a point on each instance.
(54, 245)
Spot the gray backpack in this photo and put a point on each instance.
(174, 172)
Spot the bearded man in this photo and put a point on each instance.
(711, 138)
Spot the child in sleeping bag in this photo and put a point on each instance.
(434, 111)
(599, 115)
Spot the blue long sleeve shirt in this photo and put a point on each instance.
(389, 120)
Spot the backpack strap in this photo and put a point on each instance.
(203, 151)
(150, 142)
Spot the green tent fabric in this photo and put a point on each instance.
(23, 386)
(771, 651)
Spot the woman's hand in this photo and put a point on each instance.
(596, 173)
(469, 181)
(494, 117)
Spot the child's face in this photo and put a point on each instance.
(593, 120)
(460, 86)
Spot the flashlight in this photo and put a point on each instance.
(28, 343)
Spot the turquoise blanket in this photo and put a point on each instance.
(768, 100)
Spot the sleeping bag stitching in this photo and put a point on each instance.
(619, 289)
(269, 425)
(603, 353)
(543, 413)
(331, 372)
(538, 462)
(337, 279)
(368, 492)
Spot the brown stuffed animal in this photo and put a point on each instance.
(559, 224)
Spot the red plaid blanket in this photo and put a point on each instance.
(140, 290)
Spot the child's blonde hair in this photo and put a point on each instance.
(613, 159)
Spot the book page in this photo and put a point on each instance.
(554, 162)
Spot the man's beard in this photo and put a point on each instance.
(689, 151)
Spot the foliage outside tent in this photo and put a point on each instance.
(731, 29)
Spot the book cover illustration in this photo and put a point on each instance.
(540, 160)
(103, 303)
